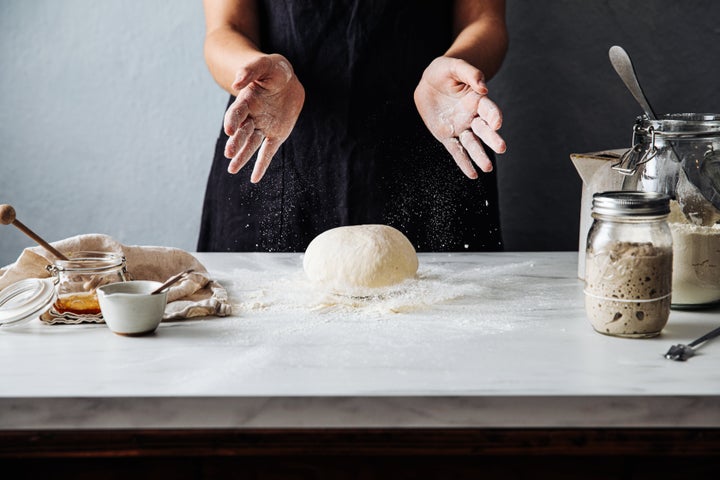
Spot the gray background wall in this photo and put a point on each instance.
(108, 115)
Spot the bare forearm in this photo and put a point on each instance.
(231, 39)
(481, 34)
(225, 52)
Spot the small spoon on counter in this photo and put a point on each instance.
(8, 217)
(682, 352)
(172, 280)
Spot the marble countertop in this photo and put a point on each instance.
(478, 340)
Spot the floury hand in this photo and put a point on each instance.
(452, 100)
(263, 114)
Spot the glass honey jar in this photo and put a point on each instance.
(75, 282)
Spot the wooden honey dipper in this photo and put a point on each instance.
(7, 217)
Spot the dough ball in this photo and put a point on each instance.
(358, 257)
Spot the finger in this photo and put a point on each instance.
(466, 73)
(460, 156)
(490, 112)
(491, 138)
(265, 155)
(475, 150)
(239, 138)
(235, 116)
(252, 144)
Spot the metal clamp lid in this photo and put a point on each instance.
(628, 165)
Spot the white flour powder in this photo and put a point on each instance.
(696, 263)
(435, 285)
(696, 260)
(293, 292)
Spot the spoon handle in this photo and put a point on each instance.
(708, 336)
(171, 280)
(623, 66)
(8, 217)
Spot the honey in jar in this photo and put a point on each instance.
(75, 282)
(85, 303)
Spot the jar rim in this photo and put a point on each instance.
(631, 203)
(681, 124)
(88, 260)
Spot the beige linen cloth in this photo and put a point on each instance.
(196, 295)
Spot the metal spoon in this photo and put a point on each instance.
(682, 352)
(623, 66)
(171, 281)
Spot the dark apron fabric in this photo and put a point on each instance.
(359, 152)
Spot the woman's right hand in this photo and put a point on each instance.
(267, 105)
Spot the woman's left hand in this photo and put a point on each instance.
(452, 101)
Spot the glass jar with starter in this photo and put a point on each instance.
(679, 155)
(75, 282)
(629, 259)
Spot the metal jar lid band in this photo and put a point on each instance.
(631, 203)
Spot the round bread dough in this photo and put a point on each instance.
(358, 257)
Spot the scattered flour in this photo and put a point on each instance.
(286, 336)
(281, 319)
(476, 289)
(294, 292)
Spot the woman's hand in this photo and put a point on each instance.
(452, 101)
(268, 104)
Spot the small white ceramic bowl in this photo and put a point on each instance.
(129, 309)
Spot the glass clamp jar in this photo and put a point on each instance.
(679, 155)
(628, 269)
(674, 150)
(75, 282)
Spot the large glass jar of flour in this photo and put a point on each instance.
(628, 264)
(679, 155)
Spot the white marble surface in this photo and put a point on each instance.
(496, 340)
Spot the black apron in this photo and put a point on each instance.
(359, 152)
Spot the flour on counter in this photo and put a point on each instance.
(295, 292)
(279, 316)
(290, 290)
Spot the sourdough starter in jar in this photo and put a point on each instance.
(629, 259)
(628, 288)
